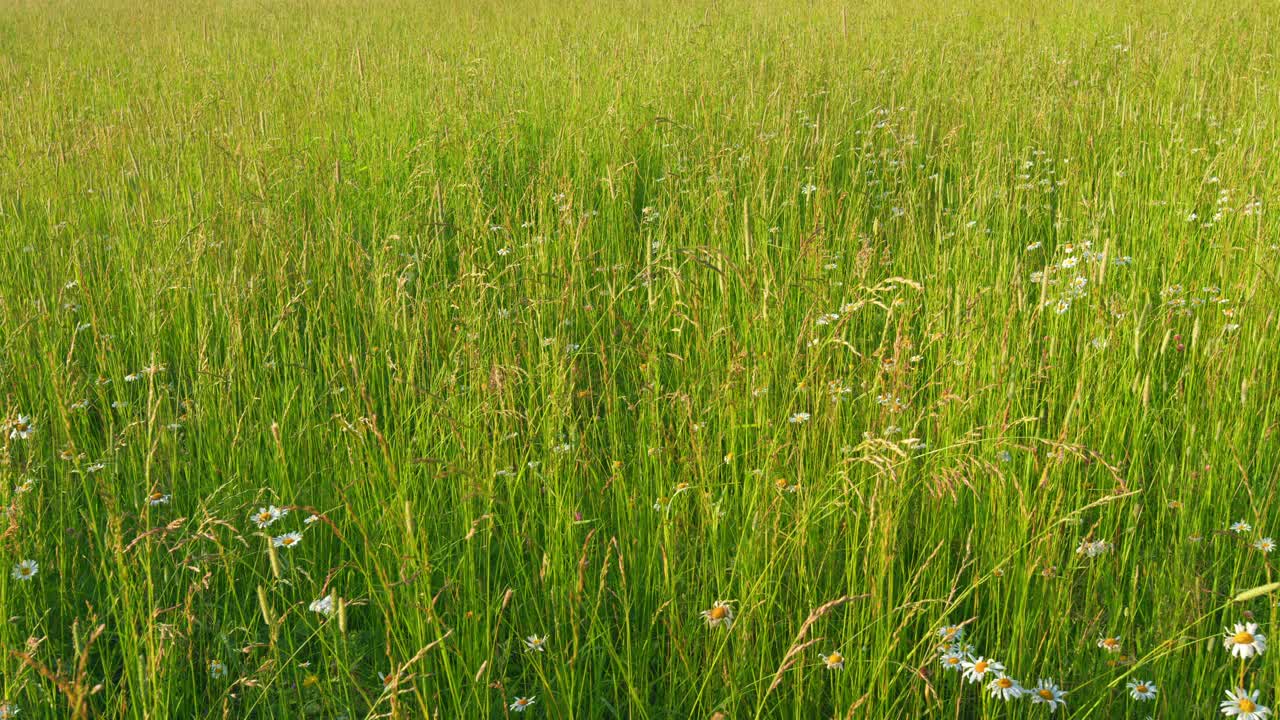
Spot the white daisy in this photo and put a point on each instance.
(1265, 545)
(719, 613)
(1143, 690)
(1244, 641)
(1048, 692)
(1110, 644)
(1243, 705)
(25, 570)
(1241, 527)
(952, 660)
(977, 669)
(1005, 688)
(267, 515)
(324, 605)
(21, 428)
(834, 661)
(287, 540)
(536, 644)
(521, 704)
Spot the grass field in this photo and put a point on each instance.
(416, 359)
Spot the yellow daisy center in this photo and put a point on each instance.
(1007, 683)
(1045, 693)
(835, 658)
(264, 516)
(522, 702)
(718, 612)
(1247, 705)
(1242, 638)
(953, 661)
(980, 666)
(288, 541)
(1141, 688)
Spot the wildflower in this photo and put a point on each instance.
(8, 710)
(521, 704)
(1110, 644)
(834, 661)
(217, 669)
(21, 428)
(976, 670)
(951, 633)
(720, 612)
(1265, 545)
(267, 515)
(324, 605)
(800, 417)
(1143, 690)
(1093, 548)
(25, 570)
(952, 660)
(1241, 527)
(1244, 641)
(1005, 687)
(535, 643)
(1048, 692)
(310, 519)
(1243, 705)
(287, 540)
(157, 498)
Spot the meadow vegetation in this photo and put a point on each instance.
(642, 359)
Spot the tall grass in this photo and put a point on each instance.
(573, 318)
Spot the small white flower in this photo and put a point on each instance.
(1048, 692)
(1243, 705)
(8, 711)
(834, 660)
(25, 570)
(1110, 644)
(977, 669)
(953, 660)
(157, 498)
(1005, 688)
(267, 515)
(217, 669)
(1241, 527)
(1143, 690)
(324, 605)
(798, 418)
(720, 613)
(521, 704)
(1265, 545)
(533, 643)
(287, 540)
(1244, 640)
(21, 428)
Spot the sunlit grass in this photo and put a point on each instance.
(659, 359)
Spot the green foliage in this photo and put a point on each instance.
(573, 318)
